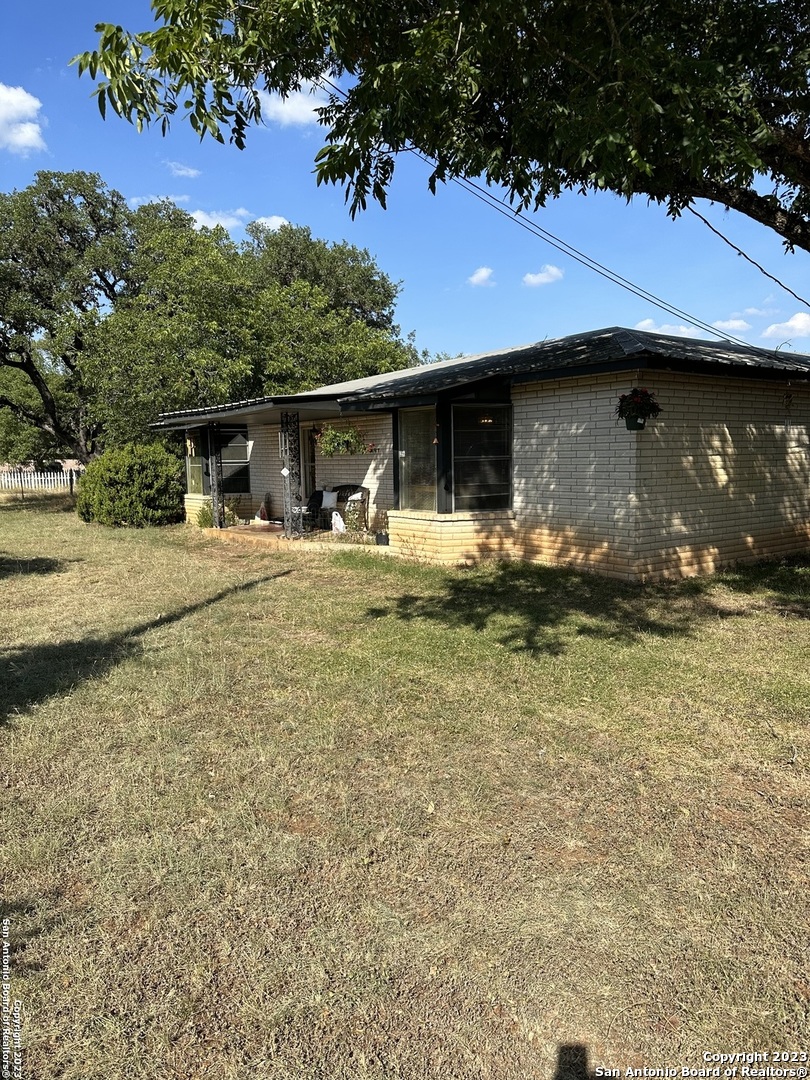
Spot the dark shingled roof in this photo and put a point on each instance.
(613, 349)
(599, 350)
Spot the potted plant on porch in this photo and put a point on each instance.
(637, 407)
(331, 441)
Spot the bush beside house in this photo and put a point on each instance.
(134, 486)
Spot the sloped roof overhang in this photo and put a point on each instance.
(597, 352)
(260, 411)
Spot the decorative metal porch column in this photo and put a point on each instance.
(215, 469)
(290, 446)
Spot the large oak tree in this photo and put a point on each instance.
(65, 246)
(109, 316)
(674, 99)
(205, 321)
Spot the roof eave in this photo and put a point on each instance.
(653, 362)
(268, 412)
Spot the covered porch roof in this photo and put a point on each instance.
(258, 410)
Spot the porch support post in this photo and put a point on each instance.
(290, 446)
(215, 468)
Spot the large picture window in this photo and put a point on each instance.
(482, 457)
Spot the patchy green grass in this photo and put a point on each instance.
(328, 815)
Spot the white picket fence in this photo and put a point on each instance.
(24, 480)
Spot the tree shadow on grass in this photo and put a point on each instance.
(52, 502)
(30, 674)
(545, 610)
(12, 564)
(783, 586)
(25, 912)
(538, 609)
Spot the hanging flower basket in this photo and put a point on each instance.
(331, 440)
(637, 407)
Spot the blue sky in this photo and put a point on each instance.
(472, 279)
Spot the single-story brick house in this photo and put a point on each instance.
(518, 454)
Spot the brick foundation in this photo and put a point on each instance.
(452, 539)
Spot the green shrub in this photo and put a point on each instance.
(205, 515)
(135, 486)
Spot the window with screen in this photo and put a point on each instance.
(235, 451)
(482, 457)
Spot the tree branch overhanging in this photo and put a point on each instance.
(766, 209)
(722, 88)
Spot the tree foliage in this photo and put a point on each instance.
(109, 316)
(64, 252)
(673, 99)
(347, 275)
(205, 322)
(175, 338)
(20, 441)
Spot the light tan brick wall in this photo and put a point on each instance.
(450, 539)
(723, 474)
(265, 467)
(192, 504)
(244, 506)
(574, 474)
(373, 470)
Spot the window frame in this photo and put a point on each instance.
(238, 463)
(402, 417)
(504, 494)
(233, 465)
(449, 462)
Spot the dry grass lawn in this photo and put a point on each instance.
(327, 815)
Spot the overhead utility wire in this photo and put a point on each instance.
(748, 258)
(579, 256)
(592, 264)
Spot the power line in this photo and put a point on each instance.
(578, 256)
(592, 264)
(748, 258)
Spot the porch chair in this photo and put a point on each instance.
(322, 504)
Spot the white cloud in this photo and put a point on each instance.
(235, 219)
(547, 275)
(19, 131)
(798, 325)
(731, 324)
(759, 311)
(295, 110)
(274, 222)
(482, 276)
(142, 200)
(228, 219)
(667, 328)
(177, 168)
